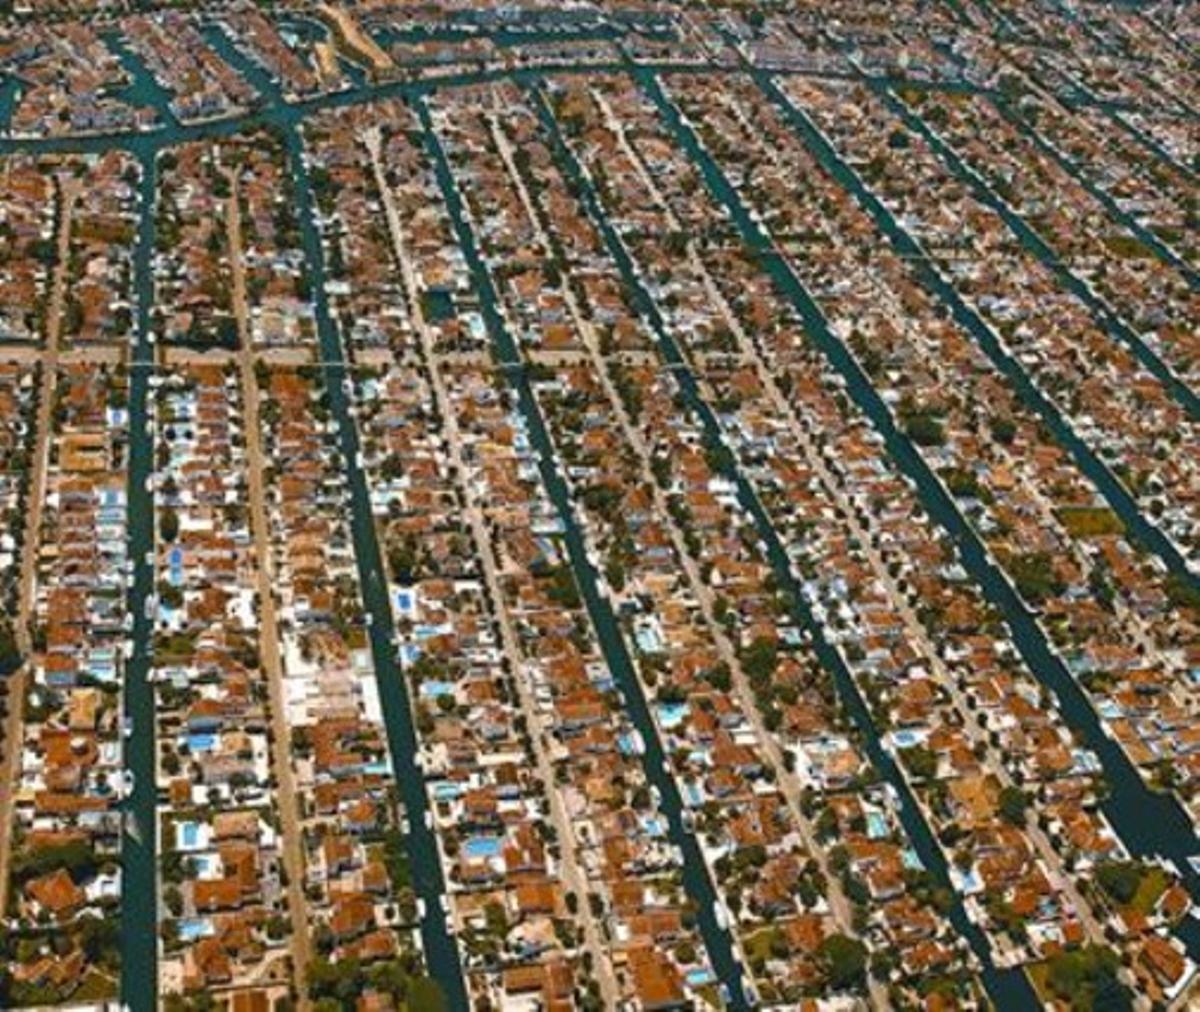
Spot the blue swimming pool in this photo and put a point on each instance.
(446, 791)
(482, 846)
(671, 715)
(187, 835)
(202, 742)
(876, 825)
(193, 928)
(906, 739)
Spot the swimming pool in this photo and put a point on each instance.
(671, 715)
(907, 739)
(876, 825)
(446, 791)
(482, 847)
(654, 827)
(649, 639)
(201, 742)
(193, 928)
(406, 603)
(186, 835)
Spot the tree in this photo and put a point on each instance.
(1087, 979)
(1013, 803)
(1120, 880)
(426, 994)
(10, 656)
(845, 961)
(169, 526)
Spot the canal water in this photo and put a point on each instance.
(139, 863)
(1077, 172)
(696, 879)
(1006, 988)
(1140, 529)
(142, 89)
(1107, 319)
(441, 952)
(1149, 823)
(9, 92)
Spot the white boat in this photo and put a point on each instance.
(721, 915)
(127, 727)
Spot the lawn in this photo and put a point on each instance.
(1090, 522)
(1150, 889)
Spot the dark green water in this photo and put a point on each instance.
(1007, 989)
(696, 879)
(1147, 822)
(139, 887)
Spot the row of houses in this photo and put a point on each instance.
(18, 402)
(64, 872)
(1123, 412)
(361, 904)
(223, 915)
(195, 307)
(888, 592)
(104, 216)
(27, 219)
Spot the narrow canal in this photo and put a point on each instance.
(1083, 177)
(9, 93)
(1107, 318)
(143, 90)
(1114, 491)
(1149, 823)
(1008, 989)
(139, 850)
(441, 952)
(696, 879)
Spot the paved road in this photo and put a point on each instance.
(14, 737)
(289, 805)
(573, 873)
(832, 485)
(786, 781)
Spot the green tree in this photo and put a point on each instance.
(845, 961)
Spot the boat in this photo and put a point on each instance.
(721, 915)
(133, 828)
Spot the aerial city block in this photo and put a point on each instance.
(562, 507)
